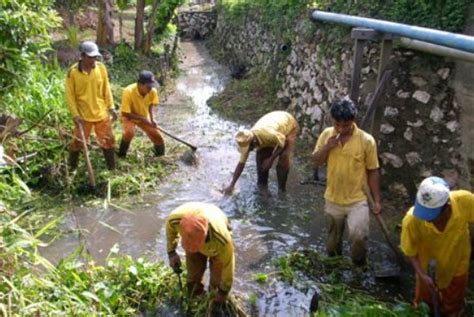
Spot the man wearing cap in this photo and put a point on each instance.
(274, 135)
(138, 100)
(437, 229)
(351, 158)
(205, 236)
(91, 104)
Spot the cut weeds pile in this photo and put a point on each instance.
(341, 289)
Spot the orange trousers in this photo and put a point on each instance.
(451, 298)
(103, 131)
(129, 131)
(196, 264)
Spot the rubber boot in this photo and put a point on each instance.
(109, 155)
(73, 159)
(159, 149)
(282, 177)
(123, 149)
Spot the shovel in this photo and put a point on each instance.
(435, 296)
(90, 171)
(189, 157)
(178, 271)
(194, 148)
(383, 226)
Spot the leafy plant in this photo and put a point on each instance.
(24, 35)
(72, 35)
(260, 278)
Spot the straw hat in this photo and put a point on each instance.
(243, 137)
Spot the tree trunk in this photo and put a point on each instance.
(105, 26)
(121, 25)
(139, 24)
(150, 28)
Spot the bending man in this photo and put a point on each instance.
(138, 100)
(274, 135)
(437, 229)
(351, 157)
(205, 236)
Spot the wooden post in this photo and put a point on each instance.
(357, 66)
(386, 51)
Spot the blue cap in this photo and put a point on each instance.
(431, 197)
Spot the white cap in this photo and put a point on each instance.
(89, 48)
(431, 197)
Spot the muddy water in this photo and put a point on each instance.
(265, 225)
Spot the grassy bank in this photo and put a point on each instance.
(245, 100)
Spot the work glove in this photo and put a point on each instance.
(175, 262)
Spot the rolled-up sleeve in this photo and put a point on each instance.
(108, 97)
(171, 235)
(409, 236)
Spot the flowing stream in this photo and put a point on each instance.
(264, 226)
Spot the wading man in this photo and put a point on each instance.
(91, 104)
(351, 158)
(205, 237)
(138, 100)
(274, 135)
(436, 230)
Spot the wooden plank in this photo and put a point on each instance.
(374, 100)
(386, 51)
(357, 66)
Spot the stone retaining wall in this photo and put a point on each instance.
(420, 133)
(196, 25)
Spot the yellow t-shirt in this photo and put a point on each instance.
(271, 130)
(347, 166)
(89, 95)
(219, 243)
(134, 102)
(451, 248)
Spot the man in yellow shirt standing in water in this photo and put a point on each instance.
(351, 157)
(274, 135)
(437, 229)
(91, 103)
(138, 100)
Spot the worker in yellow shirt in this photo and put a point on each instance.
(91, 104)
(436, 230)
(351, 158)
(274, 135)
(138, 100)
(205, 236)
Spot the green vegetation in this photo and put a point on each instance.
(30, 285)
(448, 15)
(248, 98)
(337, 297)
(24, 37)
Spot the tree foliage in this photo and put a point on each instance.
(24, 35)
